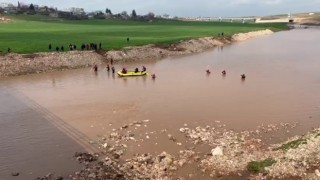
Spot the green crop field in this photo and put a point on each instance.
(28, 34)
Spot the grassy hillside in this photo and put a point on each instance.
(27, 34)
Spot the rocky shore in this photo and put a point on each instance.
(18, 64)
(240, 155)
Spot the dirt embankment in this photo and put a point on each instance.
(18, 64)
(246, 36)
(4, 19)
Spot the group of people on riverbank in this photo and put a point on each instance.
(9, 50)
(84, 46)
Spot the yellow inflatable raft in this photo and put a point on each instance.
(132, 73)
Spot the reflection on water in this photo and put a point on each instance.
(282, 85)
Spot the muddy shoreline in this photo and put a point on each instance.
(20, 64)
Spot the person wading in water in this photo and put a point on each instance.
(95, 68)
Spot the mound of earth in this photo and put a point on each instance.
(4, 19)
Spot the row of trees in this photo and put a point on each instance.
(123, 15)
(76, 13)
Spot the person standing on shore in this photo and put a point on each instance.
(50, 47)
(113, 70)
(111, 61)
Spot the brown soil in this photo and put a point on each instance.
(4, 20)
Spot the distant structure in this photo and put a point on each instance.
(77, 11)
(9, 8)
(222, 19)
(276, 19)
(290, 19)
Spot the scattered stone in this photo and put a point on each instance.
(85, 157)
(105, 145)
(116, 156)
(15, 174)
(218, 151)
(171, 138)
(131, 135)
(231, 152)
(59, 178)
(125, 127)
(92, 175)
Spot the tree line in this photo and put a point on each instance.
(123, 15)
(73, 13)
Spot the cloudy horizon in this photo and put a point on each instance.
(188, 8)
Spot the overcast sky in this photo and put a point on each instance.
(188, 8)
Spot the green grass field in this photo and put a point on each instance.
(28, 34)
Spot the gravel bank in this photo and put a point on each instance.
(19, 64)
(241, 155)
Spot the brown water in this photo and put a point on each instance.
(282, 85)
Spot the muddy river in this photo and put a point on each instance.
(45, 118)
